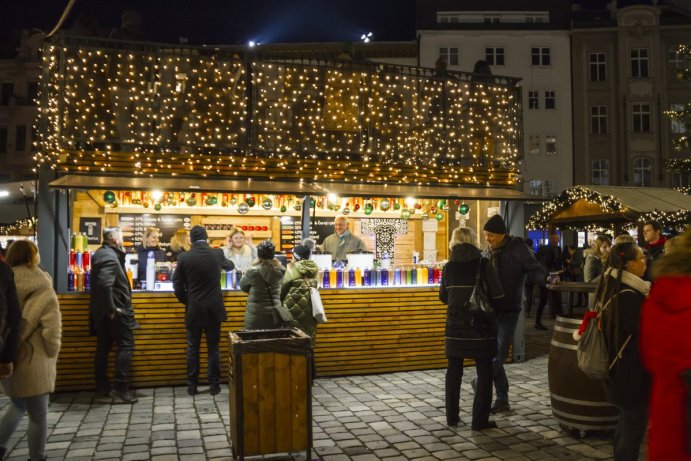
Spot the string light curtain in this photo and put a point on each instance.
(152, 110)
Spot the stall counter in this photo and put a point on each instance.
(369, 330)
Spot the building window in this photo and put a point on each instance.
(32, 93)
(542, 187)
(600, 172)
(598, 119)
(550, 100)
(534, 19)
(639, 62)
(540, 56)
(494, 56)
(533, 100)
(491, 19)
(677, 125)
(598, 67)
(641, 117)
(3, 139)
(450, 54)
(6, 93)
(551, 145)
(642, 172)
(681, 179)
(20, 138)
(534, 144)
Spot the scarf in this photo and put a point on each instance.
(494, 253)
(631, 280)
(342, 238)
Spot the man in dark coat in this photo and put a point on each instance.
(513, 262)
(10, 318)
(111, 317)
(197, 286)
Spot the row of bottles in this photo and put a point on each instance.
(79, 264)
(230, 280)
(400, 276)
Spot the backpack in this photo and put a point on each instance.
(592, 353)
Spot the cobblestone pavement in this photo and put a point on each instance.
(392, 417)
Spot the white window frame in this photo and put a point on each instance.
(599, 172)
(495, 54)
(533, 99)
(534, 144)
(640, 117)
(543, 55)
(598, 120)
(550, 99)
(642, 168)
(640, 63)
(448, 53)
(677, 126)
(598, 66)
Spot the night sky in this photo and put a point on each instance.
(229, 21)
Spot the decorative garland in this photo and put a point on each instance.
(15, 227)
(674, 219)
(679, 165)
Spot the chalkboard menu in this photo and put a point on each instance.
(134, 225)
(291, 231)
(91, 227)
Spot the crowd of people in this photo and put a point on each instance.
(647, 291)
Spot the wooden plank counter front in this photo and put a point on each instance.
(369, 331)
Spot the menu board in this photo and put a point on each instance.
(134, 225)
(291, 231)
(91, 227)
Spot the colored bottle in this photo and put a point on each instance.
(376, 277)
(150, 270)
(419, 276)
(238, 276)
(73, 258)
(129, 278)
(320, 279)
(413, 276)
(397, 276)
(384, 277)
(437, 275)
(333, 278)
(230, 279)
(351, 278)
(408, 276)
(70, 279)
(73, 241)
(78, 242)
(78, 260)
(86, 260)
(85, 242)
(339, 278)
(79, 275)
(367, 278)
(326, 279)
(87, 280)
(358, 277)
(224, 280)
(430, 275)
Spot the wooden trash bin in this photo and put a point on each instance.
(270, 392)
(578, 402)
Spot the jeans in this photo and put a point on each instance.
(37, 407)
(483, 395)
(212, 330)
(629, 432)
(119, 331)
(506, 325)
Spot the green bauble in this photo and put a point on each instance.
(251, 201)
(213, 200)
(439, 216)
(191, 201)
(464, 208)
(441, 204)
(157, 207)
(109, 196)
(312, 203)
(233, 200)
(405, 213)
(207, 202)
(396, 206)
(368, 209)
(283, 209)
(384, 205)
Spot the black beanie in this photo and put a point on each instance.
(198, 233)
(266, 250)
(495, 225)
(301, 252)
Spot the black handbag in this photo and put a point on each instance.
(479, 302)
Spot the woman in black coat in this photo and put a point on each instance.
(468, 335)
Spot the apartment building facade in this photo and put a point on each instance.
(529, 40)
(626, 75)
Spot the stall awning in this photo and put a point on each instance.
(84, 182)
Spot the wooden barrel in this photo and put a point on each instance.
(578, 402)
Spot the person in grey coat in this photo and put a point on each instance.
(196, 282)
(263, 283)
(111, 317)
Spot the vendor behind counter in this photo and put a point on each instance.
(342, 242)
(151, 243)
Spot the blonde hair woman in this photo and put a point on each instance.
(33, 378)
(179, 242)
(239, 251)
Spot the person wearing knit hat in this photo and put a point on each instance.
(513, 261)
(196, 286)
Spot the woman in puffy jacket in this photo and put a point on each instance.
(295, 289)
(33, 377)
(468, 335)
(666, 351)
(263, 283)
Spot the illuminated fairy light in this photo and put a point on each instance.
(159, 112)
(16, 227)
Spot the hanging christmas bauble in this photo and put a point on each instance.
(411, 210)
(283, 209)
(243, 208)
(312, 202)
(368, 208)
(213, 200)
(146, 204)
(456, 202)
(250, 201)
(405, 213)
(224, 204)
(233, 200)
(267, 203)
(109, 196)
(384, 205)
(396, 206)
(417, 206)
(297, 205)
(441, 203)
(425, 215)
(191, 201)
(356, 207)
(157, 207)
(439, 216)
(433, 209)
(114, 204)
(464, 208)
(346, 210)
(207, 202)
